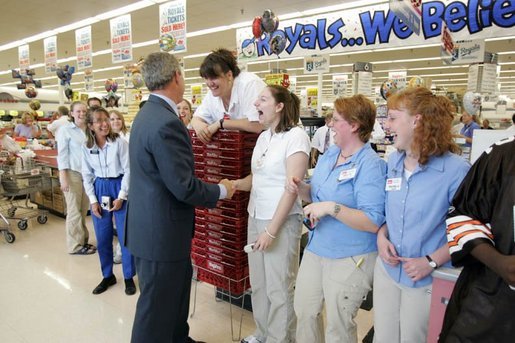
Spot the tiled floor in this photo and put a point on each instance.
(45, 296)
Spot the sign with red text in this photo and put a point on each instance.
(172, 26)
(84, 48)
(121, 39)
(50, 46)
(24, 58)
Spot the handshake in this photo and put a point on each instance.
(229, 186)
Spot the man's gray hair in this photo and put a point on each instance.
(158, 69)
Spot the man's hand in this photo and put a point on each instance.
(229, 186)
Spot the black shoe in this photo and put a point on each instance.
(104, 284)
(130, 287)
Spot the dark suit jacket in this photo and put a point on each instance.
(164, 190)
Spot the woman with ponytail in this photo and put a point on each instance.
(275, 215)
(423, 175)
(105, 171)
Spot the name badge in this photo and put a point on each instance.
(347, 174)
(393, 184)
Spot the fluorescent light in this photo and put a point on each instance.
(124, 10)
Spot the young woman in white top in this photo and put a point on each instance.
(184, 108)
(118, 124)
(275, 215)
(105, 169)
(228, 103)
(69, 160)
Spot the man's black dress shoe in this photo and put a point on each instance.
(104, 284)
(130, 287)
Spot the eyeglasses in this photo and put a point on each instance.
(101, 121)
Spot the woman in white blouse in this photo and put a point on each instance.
(69, 160)
(105, 170)
(275, 215)
(118, 124)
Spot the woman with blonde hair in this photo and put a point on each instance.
(117, 122)
(185, 113)
(70, 139)
(423, 175)
(27, 128)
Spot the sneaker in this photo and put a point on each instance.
(117, 254)
(251, 339)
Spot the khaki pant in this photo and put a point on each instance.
(342, 285)
(272, 277)
(401, 313)
(77, 205)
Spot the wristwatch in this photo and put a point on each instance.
(432, 263)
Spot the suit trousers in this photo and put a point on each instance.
(272, 276)
(104, 229)
(77, 205)
(163, 304)
(342, 284)
(401, 313)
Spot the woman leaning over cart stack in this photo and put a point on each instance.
(423, 175)
(275, 215)
(346, 209)
(105, 169)
(69, 160)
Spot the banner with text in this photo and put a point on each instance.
(376, 27)
(50, 48)
(24, 58)
(84, 48)
(121, 39)
(172, 26)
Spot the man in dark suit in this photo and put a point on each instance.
(160, 215)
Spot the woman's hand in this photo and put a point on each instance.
(263, 242)
(317, 210)
(416, 268)
(386, 250)
(117, 204)
(96, 210)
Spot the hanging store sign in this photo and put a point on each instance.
(121, 39)
(409, 12)
(399, 77)
(84, 48)
(172, 26)
(316, 64)
(340, 85)
(24, 58)
(50, 47)
(196, 95)
(467, 52)
(376, 27)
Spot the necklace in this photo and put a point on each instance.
(345, 157)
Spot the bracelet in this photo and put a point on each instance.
(222, 123)
(269, 234)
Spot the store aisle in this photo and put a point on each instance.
(45, 296)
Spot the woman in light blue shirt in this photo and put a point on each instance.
(347, 208)
(105, 170)
(423, 175)
(69, 160)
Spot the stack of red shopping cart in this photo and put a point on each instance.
(221, 232)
